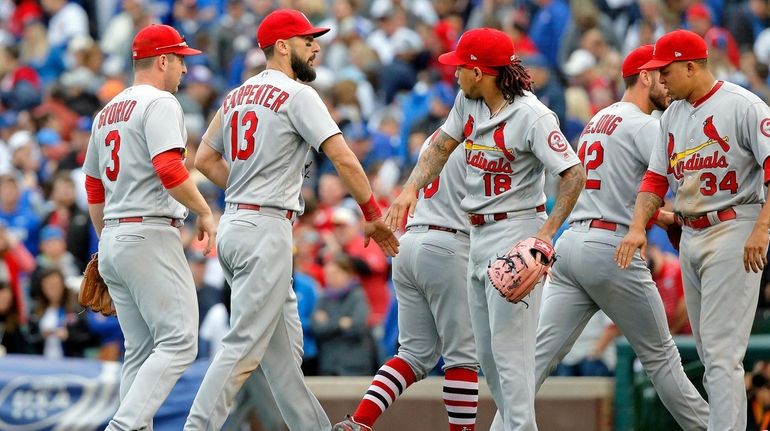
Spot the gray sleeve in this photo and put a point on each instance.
(214, 136)
(646, 139)
(164, 126)
(757, 128)
(91, 162)
(550, 146)
(310, 118)
(453, 126)
(659, 157)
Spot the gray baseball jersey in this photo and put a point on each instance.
(505, 155)
(286, 117)
(713, 156)
(505, 158)
(715, 150)
(615, 149)
(142, 259)
(137, 125)
(268, 125)
(429, 275)
(438, 203)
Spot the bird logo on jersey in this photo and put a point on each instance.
(499, 138)
(478, 159)
(711, 132)
(468, 128)
(691, 160)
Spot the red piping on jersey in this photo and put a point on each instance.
(654, 183)
(94, 190)
(170, 168)
(713, 90)
(766, 167)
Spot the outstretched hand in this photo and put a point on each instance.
(633, 240)
(402, 206)
(382, 234)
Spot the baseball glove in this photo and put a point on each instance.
(517, 272)
(93, 293)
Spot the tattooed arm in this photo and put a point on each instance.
(570, 185)
(428, 167)
(636, 238)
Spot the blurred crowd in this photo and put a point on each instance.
(62, 60)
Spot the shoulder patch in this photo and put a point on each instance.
(764, 127)
(557, 141)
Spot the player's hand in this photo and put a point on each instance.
(624, 253)
(402, 206)
(207, 227)
(665, 219)
(755, 250)
(381, 233)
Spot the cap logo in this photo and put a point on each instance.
(677, 54)
(473, 57)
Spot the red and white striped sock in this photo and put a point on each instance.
(461, 398)
(391, 380)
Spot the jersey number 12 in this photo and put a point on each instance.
(596, 151)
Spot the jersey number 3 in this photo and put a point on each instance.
(249, 121)
(596, 151)
(113, 140)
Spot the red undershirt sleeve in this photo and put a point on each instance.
(654, 183)
(170, 168)
(94, 190)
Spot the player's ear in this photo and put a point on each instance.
(163, 62)
(477, 74)
(646, 78)
(282, 46)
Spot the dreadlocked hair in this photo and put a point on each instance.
(513, 80)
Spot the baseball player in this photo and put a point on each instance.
(714, 156)
(265, 129)
(138, 189)
(615, 149)
(509, 138)
(429, 277)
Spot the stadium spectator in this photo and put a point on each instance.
(57, 327)
(345, 345)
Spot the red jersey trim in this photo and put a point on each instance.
(766, 168)
(94, 190)
(654, 183)
(170, 168)
(714, 89)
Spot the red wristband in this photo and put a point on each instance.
(370, 209)
(653, 219)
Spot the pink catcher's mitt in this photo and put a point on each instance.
(517, 272)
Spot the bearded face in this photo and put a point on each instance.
(303, 69)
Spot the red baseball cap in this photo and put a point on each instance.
(285, 24)
(485, 48)
(678, 45)
(636, 59)
(698, 11)
(157, 39)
